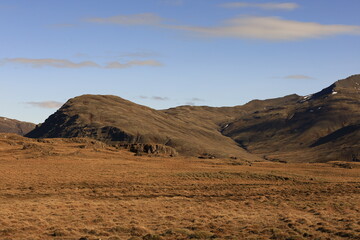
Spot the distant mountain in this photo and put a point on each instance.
(320, 127)
(8, 125)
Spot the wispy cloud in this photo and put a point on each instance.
(298, 77)
(151, 63)
(271, 28)
(46, 104)
(249, 27)
(157, 98)
(57, 63)
(160, 98)
(195, 99)
(135, 19)
(267, 6)
(62, 63)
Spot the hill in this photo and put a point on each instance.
(117, 121)
(8, 125)
(320, 127)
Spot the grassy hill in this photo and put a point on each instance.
(320, 127)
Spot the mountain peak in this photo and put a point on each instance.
(352, 82)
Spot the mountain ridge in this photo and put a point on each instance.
(8, 125)
(128, 123)
(259, 129)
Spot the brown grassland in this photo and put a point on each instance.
(80, 188)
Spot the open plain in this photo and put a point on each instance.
(81, 188)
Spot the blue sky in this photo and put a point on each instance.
(165, 53)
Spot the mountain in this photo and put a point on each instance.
(8, 125)
(316, 128)
(115, 120)
(320, 127)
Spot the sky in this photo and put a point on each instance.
(166, 53)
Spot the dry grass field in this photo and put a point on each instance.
(82, 189)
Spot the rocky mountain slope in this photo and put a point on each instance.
(320, 127)
(117, 121)
(8, 125)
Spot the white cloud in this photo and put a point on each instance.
(151, 63)
(135, 19)
(58, 63)
(195, 99)
(298, 77)
(266, 6)
(62, 63)
(250, 27)
(159, 98)
(46, 104)
(271, 28)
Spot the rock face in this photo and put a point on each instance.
(320, 127)
(8, 125)
(140, 148)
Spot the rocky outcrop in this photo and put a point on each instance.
(157, 149)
